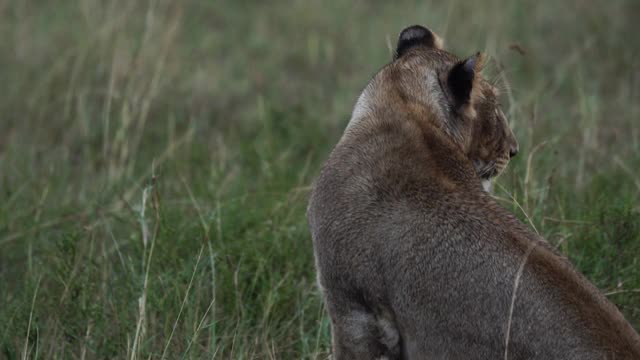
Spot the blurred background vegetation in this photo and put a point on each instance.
(156, 157)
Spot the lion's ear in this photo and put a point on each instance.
(416, 35)
(461, 78)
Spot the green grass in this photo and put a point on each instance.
(156, 157)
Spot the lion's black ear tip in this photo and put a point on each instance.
(415, 35)
(414, 32)
(461, 76)
(475, 62)
(470, 64)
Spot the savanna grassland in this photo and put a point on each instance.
(156, 157)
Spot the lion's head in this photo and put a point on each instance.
(451, 93)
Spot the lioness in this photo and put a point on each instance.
(414, 258)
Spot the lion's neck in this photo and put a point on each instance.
(412, 150)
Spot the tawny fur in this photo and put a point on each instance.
(416, 260)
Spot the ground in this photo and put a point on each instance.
(156, 157)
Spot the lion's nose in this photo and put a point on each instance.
(513, 150)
